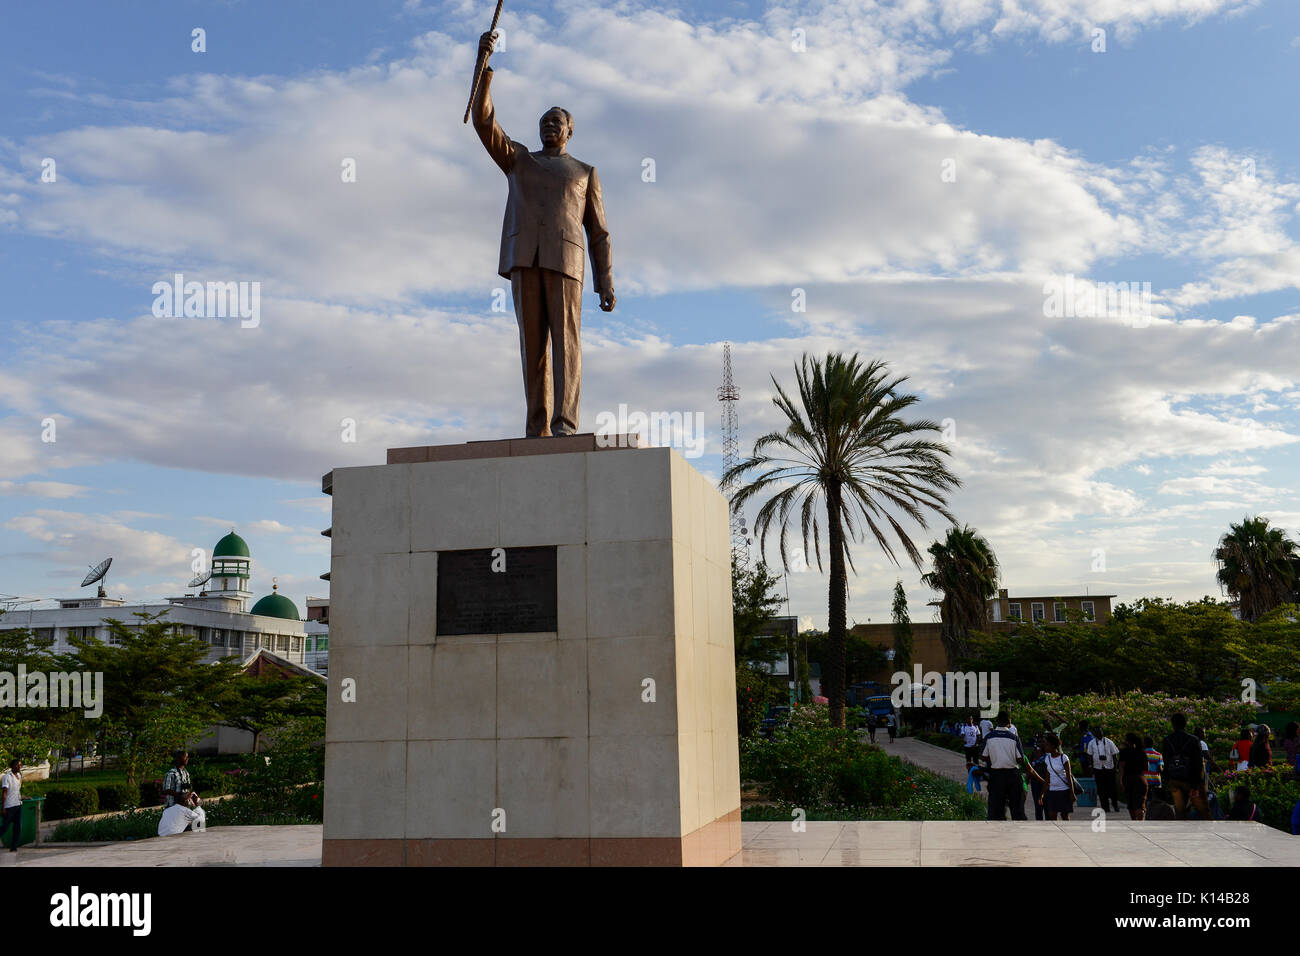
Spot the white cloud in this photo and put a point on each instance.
(43, 489)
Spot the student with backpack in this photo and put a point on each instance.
(1184, 770)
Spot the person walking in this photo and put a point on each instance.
(1261, 754)
(1207, 758)
(1085, 738)
(1002, 750)
(11, 785)
(1183, 769)
(871, 726)
(1291, 744)
(891, 724)
(1037, 760)
(1132, 776)
(970, 738)
(1240, 754)
(1102, 754)
(1155, 769)
(1058, 795)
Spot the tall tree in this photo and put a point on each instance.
(846, 445)
(754, 603)
(159, 694)
(965, 573)
(26, 732)
(902, 630)
(1257, 566)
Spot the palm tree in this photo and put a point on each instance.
(966, 574)
(846, 443)
(1257, 566)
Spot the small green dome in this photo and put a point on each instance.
(231, 546)
(276, 605)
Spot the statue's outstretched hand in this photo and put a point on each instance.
(607, 300)
(485, 44)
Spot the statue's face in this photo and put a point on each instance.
(554, 127)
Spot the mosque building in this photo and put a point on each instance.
(219, 615)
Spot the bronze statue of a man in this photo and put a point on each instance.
(553, 197)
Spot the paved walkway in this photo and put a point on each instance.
(1026, 843)
(219, 846)
(946, 763)
(864, 843)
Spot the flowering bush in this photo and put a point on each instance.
(1274, 790)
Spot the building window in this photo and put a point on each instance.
(1036, 609)
(1013, 611)
(1089, 613)
(322, 643)
(1058, 612)
(294, 645)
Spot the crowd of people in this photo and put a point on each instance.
(1169, 782)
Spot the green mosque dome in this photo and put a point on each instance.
(231, 546)
(276, 605)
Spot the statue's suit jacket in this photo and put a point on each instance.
(552, 199)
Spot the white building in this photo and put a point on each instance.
(220, 616)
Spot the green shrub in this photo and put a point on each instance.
(120, 826)
(755, 690)
(214, 781)
(151, 793)
(118, 796)
(869, 777)
(70, 801)
(1274, 790)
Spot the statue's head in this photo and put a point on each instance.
(556, 126)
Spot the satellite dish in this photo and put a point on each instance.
(200, 580)
(97, 574)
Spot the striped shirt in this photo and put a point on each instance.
(178, 779)
(1155, 764)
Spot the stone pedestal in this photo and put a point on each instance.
(610, 740)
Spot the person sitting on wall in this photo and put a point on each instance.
(180, 817)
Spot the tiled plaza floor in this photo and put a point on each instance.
(1029, 843)
(869, 843)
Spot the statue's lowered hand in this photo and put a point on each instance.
(607, 300)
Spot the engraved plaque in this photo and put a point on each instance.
(475, 599)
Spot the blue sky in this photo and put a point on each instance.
(1172, 158)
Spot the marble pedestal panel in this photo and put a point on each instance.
(608, 741)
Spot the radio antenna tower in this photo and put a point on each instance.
(728, 395)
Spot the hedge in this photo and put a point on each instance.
(64, 802)
(118, 796)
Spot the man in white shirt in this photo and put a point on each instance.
(970, 738)
(11, 784)
(180, 817)
(986, 727)
(1103, 755)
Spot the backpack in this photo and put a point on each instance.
(1177, 763)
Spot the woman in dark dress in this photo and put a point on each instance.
(1132, 770)
(1261, 754)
